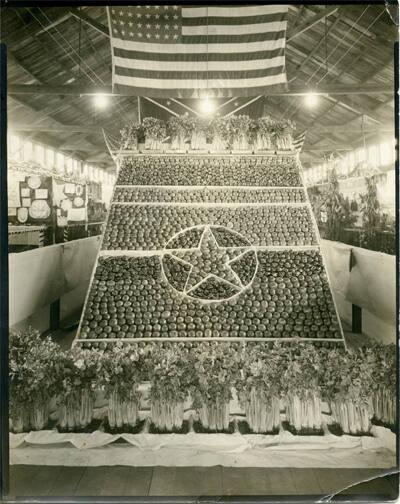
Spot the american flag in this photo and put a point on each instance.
(193, 51)
(298, 142)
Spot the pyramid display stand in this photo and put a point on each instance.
(209, 247)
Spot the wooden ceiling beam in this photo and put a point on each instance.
(317, 18)
(295, 90)
(60, 128)
(99, 27)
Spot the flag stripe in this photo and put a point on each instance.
(185, 51)
(158, 83)
(233, 21)
(199, 48)
(196, 66)
(229, 11)
(188, 57)
(215, 75)
(218, 30)
(233, 39)
(218, 92)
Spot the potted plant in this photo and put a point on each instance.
(239, 130)
(259, 386)
(198, 139)
(179, 129)
(348, 385)
(129, 136)
(264, 129)
(370, 212)
(77, 379)
(301, 388)
(121, 373)
(33, 362)
(219, 132)
(154, 131)
(170, 374)
(216, 365)
(384, 379)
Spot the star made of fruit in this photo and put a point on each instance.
(209, 260)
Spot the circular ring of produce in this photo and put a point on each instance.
(209, 263)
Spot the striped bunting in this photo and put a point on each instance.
(298, 142)
(189, 52)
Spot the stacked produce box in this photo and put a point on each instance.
(209, 247)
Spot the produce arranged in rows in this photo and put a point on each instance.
(278, 386)
(288, 298)
(150, 227)
(276, 171)
(208, 195)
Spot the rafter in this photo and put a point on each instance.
(312, 22)
(99, 27)
(295, 90)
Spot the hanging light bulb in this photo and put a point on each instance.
(311, 100)
(101, 101)
(207, 106)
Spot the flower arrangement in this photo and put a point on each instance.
(170, 373)
(129, 136)
(215, 366)
(348, 385)
(238, 131)
(77, 377)
(121, 373)
(33, 362)
(301, 388)
(154, 131)
(259, 385)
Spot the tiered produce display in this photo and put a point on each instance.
(209, 246)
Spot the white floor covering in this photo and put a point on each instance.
(230, 450)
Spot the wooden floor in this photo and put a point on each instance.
(48, 481)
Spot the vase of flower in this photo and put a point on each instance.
(122, 412)
(167, 415)
(154, 131)
(384, 406)
(304, 412)
(354, 417)
(215, 415)
(262, 413)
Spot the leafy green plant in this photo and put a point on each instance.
(215, 368)
(129, 135)
(33, 366)
(348, 375)
(338, 209)
(170, 372)
(122, 369)
(154, 129)
(301, 376)
(238, 128)
(77, 369)
(370, 212)
(180, 126)
(262, 368)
